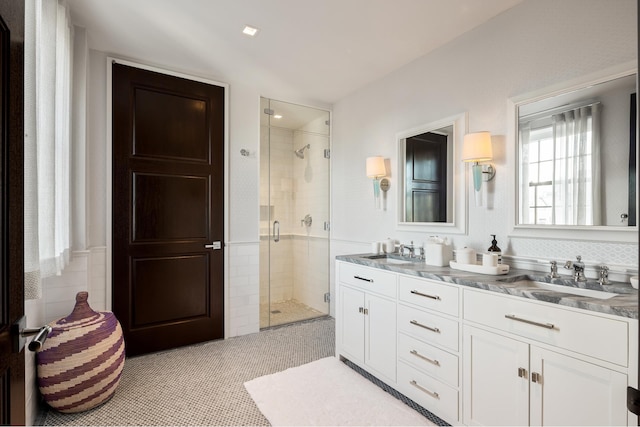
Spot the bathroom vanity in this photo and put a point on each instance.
(489, 350)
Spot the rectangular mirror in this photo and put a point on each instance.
(576, 159)
(433, 195)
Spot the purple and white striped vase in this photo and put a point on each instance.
(80, 363)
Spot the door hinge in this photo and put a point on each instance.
(327, 297)
(327, 153)
(327, 226)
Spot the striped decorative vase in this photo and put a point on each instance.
(80, 363)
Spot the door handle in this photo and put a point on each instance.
(19, 332)
(215, 245)
(276, 231)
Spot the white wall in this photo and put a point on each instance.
(529, 47)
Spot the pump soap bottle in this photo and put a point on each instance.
(495, 249)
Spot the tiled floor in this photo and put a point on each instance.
(284, 312)
(203, 384)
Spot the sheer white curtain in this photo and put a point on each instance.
(525, 131)
(48, 65)
(577, 172)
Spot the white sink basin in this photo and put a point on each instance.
(567, 289)
(396, 261)
(388, 259)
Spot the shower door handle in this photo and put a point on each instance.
(276, 231)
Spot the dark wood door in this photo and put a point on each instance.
(12, 384)
(426, 178)
(168, 207)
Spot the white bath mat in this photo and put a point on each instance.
(328, 393)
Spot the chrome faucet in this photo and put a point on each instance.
(409, 247)
(578, 269)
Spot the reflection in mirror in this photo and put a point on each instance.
(577, 160)
(433, 195)
(427, 180)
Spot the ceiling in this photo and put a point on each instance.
(316, 51)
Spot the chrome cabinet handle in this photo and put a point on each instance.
(536, 377)
(429, 392)
(425, 358)
(415, 322)
(363, 278)
(530, 322)
(276, 231)
(436, 297)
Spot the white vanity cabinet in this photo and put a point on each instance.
(428, 345)
(477, 357)
(527, 363)
(366, 321)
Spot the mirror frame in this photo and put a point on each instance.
(460, 204)
(601, 233)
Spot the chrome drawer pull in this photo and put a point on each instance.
(436, 297)
(419, 387)
(530, 322)
(363, 278)
(433, 361)
(415, 322)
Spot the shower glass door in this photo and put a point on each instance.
(294, 213)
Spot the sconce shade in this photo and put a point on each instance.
(375, 167)
(477, 147)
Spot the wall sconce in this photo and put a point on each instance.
(477, 148)
(376, 170)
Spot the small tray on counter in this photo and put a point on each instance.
(479, 268)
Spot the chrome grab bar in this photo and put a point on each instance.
(415, 322)
(436, 297)
(530, 322)
(276, 231)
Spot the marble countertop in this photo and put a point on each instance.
(625, 304)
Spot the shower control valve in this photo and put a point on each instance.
(306, 221)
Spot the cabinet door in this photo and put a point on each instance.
(380, 351)
(352, 323)
(573, 392)
(495, 380)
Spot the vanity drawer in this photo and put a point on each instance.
(429, 359)
(428, 327)
(368, 279)
(431, 394)
(595, 336)
(428, 294)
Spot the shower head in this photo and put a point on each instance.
(300, 151)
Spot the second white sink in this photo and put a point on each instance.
(592, 293)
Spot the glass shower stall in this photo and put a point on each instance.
(294, 213)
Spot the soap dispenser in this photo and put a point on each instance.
(494, 249)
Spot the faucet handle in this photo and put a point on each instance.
(579, 258)
(554, 270)
(604, 275)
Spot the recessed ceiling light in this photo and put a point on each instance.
(250, 31)
(277, 116)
